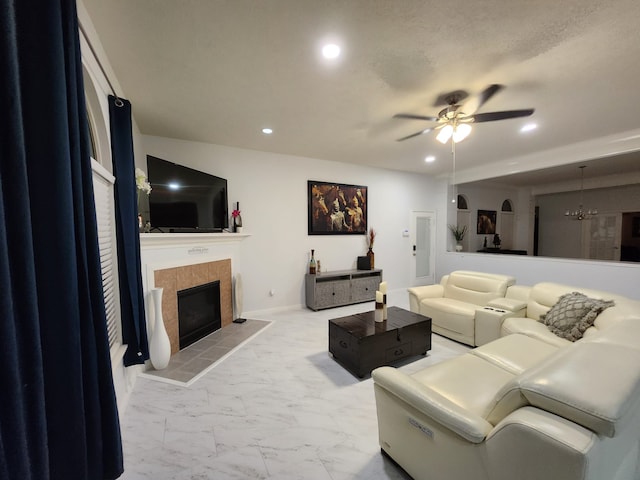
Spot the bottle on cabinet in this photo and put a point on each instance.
(312, 263)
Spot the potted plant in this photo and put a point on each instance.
(370, 239)
(458, 233)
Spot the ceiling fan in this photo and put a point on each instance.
(454, 120)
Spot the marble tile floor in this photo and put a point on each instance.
(278, 407)
(191, 363)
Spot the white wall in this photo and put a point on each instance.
(272, 191)
(620, 278)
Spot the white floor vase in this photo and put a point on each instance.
(160, 346)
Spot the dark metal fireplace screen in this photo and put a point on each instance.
(198, 312)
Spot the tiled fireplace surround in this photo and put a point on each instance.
(176, 262)
(172, 280)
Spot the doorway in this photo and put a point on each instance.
(423, 240)
(630, 248)
(601, 237)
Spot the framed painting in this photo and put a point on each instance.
(336, 208)
(486, 222)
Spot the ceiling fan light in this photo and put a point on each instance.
(445, 134)
(461, 132)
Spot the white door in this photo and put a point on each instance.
(423, 241)
(601, 237)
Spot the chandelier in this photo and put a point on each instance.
(581, 213)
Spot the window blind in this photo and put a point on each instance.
(103, 183)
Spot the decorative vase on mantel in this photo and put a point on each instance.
(237, 223)
(160, 345)
(237, 219)
(372, 257)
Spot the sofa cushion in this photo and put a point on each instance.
(467, 381)
(596, 385)
(531, 328)
(515, 353)
(453, 315)
(625, 332)
(573, 314)
(478, 289)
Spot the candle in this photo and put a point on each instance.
(379, 313)
(383, 291)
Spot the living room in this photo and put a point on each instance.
(272, 190)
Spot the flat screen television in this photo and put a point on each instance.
(185, 200)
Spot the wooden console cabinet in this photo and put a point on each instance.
(345, 287)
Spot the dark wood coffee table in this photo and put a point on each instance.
(360, 344)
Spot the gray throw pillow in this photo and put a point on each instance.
(573, 314)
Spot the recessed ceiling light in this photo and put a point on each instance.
(174, 186)
(430, 158)
(267, 131)
(331, 51)
(528, 127)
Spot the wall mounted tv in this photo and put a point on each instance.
(185, 200)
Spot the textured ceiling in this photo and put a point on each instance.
(218, 71)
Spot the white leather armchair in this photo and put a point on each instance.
(453, 304)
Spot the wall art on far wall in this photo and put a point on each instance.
(486, 222)
(336, 208)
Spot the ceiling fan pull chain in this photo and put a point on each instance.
(453, 176)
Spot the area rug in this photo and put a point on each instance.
(191, 363)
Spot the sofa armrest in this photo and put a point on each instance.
(509, 305)
(467, 424)
(416, 294)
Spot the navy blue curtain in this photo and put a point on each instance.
(58, 411)
(134, 327)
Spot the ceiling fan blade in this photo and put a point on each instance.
(410, 116)
(477, 101)
(492, 116)
(426, 130)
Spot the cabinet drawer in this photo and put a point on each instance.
(364, 289)
(398, 352)
(329, 294)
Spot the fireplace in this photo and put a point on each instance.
(185, 277)
(198, 312)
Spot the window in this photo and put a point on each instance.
(507, 206)
(103, 192)
(462, 203)
(103, 189)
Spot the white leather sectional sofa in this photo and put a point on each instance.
(529, 405)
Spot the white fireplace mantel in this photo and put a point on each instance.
(167, 250)
(175, 239)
